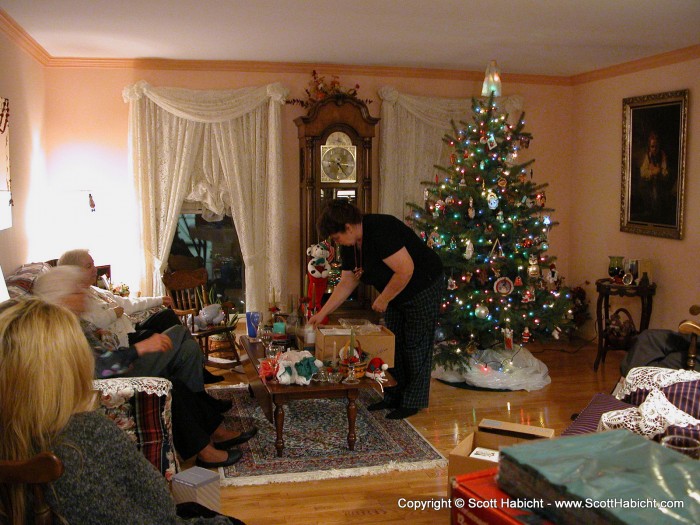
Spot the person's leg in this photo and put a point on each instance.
(419, 321)
(184, 362)
(195, 424)
(393, 318)
(160, 321)
(661, 348)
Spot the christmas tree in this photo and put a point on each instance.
(488, 221)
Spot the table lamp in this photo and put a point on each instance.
(4, 295)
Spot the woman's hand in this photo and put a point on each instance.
(380, 304)
(168, 301)
(118, 311)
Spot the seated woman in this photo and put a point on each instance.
(44, 355)
(197, 422)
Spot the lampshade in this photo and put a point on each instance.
(492, 80)
(4, 295)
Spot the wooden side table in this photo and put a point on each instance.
(606, 288)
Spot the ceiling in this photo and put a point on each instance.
(541, 37)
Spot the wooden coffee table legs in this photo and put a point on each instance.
(279, 421)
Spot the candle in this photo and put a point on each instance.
(335, 354)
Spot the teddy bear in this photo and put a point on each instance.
(318, 269)
(296, 367)
(210, 315)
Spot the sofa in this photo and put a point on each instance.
(140, 406)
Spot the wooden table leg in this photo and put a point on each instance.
(279, 425)
(352, 418)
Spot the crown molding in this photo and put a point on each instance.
(28, 44)
(635, 66)
(20, 37)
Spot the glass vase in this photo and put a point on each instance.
(616, 267)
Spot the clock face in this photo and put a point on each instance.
(338, 163)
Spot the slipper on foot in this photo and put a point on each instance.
(402, 413)
(233, 457)
(381, 405)
(238, 440)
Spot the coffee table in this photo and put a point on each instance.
(272, 393)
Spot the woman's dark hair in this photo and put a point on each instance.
(335, 216)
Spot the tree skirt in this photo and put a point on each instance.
(315, 438)
(499, 369)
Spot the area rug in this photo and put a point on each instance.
(315, 438)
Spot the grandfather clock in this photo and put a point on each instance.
(335, 161)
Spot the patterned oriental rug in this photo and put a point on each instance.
(315, 438)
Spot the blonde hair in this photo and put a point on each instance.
(46, 371)
(73, 258)
(54, 285)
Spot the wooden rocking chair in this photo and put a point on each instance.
(188, 291)
(692, 328)
(36, 472)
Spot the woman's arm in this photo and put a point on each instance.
(402, 265)
(341, 292)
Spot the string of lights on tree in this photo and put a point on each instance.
(488, 220)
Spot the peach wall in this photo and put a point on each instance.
(22, 82)
(595, 199)
(95, 117)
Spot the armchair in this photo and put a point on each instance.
(141, 407)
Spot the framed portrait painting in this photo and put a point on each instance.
(653, 164)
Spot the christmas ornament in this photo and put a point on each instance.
(508, 338)
(533, 270)
(453, 244)
(440, 334)
(481, 311)
(451, 284)
(499, 216)
(526, 335)
(497, 250)
(434, 239)
(492, 200)
(541, 199)
(469, 250)
(518, 281)
(503, 286)
(467, 277)
(471, 212)
(491, 143)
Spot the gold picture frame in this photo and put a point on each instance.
(654, 129)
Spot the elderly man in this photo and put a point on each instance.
(121, 315)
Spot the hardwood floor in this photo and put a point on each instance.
(452, 414)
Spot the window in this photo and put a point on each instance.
(213, 245)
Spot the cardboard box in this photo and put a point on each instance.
(376, 344)
(482, 501)
(492, 435)
(199, 485)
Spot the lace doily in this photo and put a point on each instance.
(649, 378)
(651, 418)
(126, 386)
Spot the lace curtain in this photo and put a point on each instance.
(221, 149)
(411, 137)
